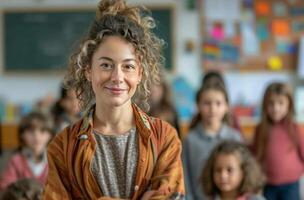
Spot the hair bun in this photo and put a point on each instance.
(110, 7)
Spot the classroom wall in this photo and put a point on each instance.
(187, 65)
(20, 88)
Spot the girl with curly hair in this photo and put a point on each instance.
(116, 151)
(231, 172)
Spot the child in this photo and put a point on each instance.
(208, 128)
(161, 105)
(66, 110)
(279, 144)
(215, 77)
(23, 189)
(231, 172)
(30, 160)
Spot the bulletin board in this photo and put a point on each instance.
(251, 34)
(43, 39)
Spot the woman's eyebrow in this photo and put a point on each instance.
(110, 59)
(105, 58)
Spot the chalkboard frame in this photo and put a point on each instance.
(5, 69)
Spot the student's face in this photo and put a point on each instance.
(227, 173)
(70, 103)
(36, 139)
(212, 106)
(115, 72)
(277, 107)
(157, 94)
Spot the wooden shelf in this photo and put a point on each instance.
(9, 136)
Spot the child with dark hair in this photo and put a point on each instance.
(210, 126)
(66, 110)
(23, 189)
(215, 77)
(35, 131)
(161, 105)
(231, 172)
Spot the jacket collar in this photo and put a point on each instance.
(142, 121)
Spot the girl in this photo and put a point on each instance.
(231, 172)
(279, 144)
(35, 131)
(208, 128)
(115, 151)
(161, 105)
(66, 110)
(215, 77)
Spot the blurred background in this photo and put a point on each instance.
(250, 42)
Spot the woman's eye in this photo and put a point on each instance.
(105, 65)
(129, 67)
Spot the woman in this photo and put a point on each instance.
(116, 151)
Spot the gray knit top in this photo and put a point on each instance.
(114, 163)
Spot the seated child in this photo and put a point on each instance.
(66, 110)
(35, 131)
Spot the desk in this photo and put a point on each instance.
(9, 133)
(9, 136)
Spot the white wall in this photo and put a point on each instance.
(249, 88)
(20, 88)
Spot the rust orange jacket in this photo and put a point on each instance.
(159, 164)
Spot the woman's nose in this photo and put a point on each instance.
(117, 74)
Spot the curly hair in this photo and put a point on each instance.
(134, 24)
(253, 179)
(26, 188)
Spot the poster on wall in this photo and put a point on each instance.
(261, 35)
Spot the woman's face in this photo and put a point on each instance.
(278, 107)
(115, 72)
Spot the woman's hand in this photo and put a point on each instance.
(147, 195)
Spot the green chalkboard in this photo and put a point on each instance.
(43, 40)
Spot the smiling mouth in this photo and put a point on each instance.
(116, 90)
